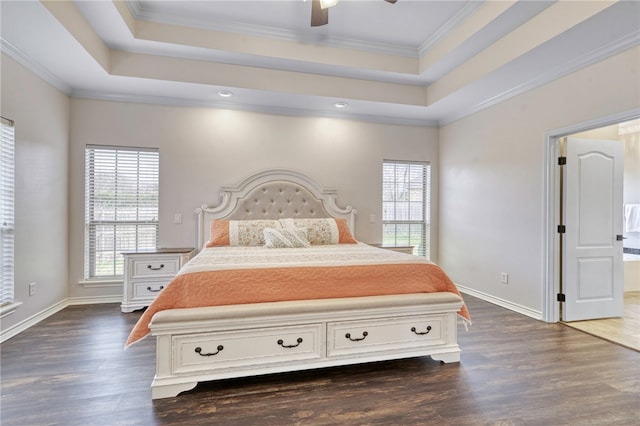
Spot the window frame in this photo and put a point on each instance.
(421, 241)
(7, 215)
(147, 174)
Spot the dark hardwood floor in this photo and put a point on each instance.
(71, 369)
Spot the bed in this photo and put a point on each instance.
(280, 284)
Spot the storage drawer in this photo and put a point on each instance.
(148, 290)
(244, 348)
(353, 337)
(155, 267)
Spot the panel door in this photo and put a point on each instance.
(593, 271)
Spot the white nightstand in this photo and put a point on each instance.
(147, 272)
(398, 248)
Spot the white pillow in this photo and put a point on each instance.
(285, 238)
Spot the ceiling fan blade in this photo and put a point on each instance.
(319, 16)
(391, 1)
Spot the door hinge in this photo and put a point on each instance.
(562, 161)
(562, 229)
(561, 297)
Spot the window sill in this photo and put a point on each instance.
(9, 308)
(101, 283)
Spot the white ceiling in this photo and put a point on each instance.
(413, 62)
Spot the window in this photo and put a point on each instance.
(406, 205)
(7, 181)
(121, 213)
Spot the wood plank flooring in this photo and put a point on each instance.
(624, 331)
(71, 369)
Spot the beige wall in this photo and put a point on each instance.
(491, 182)
(202, 149)
(488, 194)
(41, 116)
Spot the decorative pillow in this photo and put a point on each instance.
(285, 238)
(322, 231)
(345, 236)
(239, 232)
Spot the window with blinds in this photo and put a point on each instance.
(121, 213)
(406, 205)
(7, 181)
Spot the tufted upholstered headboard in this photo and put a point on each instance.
(273, 194)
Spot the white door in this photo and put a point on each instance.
(593, 281)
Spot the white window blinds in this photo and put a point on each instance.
(121, 213)
(7, 176)
(406, 206)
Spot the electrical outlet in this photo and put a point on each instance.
(32, 289)
(177, 218)
(504, 278)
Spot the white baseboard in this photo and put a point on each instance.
(14, 330)
(94, 300)
(32, 320)
(501, 302)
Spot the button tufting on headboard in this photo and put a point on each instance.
(273, 194)
(279, 199)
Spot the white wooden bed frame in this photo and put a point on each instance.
(212, 343)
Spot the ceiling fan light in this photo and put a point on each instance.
(324, 4)
(225, 93)
(341, 104)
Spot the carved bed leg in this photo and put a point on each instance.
(168, 391)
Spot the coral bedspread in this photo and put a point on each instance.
(236, 275)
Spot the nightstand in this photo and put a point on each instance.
(149, 271)
(398, 248)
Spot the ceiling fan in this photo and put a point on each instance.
(320, 11)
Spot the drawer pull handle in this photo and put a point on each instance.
(281, 343)
(357, 339)
(155, 291)
(155, 269)
(199, 351)
(419, 333)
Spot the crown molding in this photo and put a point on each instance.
(445, 29)
(262, 109)
(629, 41)
(139, 12)
(32, 65)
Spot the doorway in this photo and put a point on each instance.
(552, 264)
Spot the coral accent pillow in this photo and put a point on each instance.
(344, 233)
(219, 233)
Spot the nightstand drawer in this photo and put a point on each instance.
(147, 272)
(148, 289)
(156, 266)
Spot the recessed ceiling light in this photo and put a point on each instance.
(341, 105)
(225, 93)
(328, 3)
